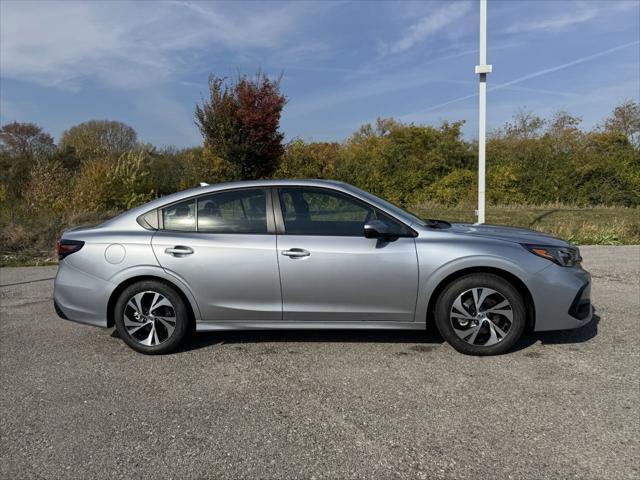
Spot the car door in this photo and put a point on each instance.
(223, 245)
(329, 271)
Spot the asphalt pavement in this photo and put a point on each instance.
(76, 402)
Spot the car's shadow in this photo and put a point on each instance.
(560, 337)
(431, 336)
(206, 339)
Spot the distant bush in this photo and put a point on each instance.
(48, 189)
(309, 160)
(458, 187)
(400, 162)
(203, 165)
(99, 138)
(129, 181)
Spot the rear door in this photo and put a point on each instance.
(223, 245)
(329, 271)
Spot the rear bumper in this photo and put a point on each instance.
(562, 298)
(80, 297)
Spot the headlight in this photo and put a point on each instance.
(563, 256)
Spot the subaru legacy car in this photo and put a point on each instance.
(313, 254)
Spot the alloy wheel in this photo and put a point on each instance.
(481, 316)
(149, 318)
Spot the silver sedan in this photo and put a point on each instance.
(313, 254)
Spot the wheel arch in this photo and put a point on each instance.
(508, 276)
(115, 294)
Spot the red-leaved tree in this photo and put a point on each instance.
(240, 122)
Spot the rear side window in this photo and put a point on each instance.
(236, 211)
(180, 216)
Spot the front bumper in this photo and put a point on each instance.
(562, 298)
(581, 306)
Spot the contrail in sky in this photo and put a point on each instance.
(539, 73)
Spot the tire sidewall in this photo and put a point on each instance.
(499, 284)
(182, 317)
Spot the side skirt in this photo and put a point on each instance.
(207, 326)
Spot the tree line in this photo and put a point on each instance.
(100, 167)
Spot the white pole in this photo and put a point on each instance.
(482, 69)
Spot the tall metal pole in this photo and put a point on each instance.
(482, 69)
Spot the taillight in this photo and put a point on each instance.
(67, 247)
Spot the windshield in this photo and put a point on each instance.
(401, 212)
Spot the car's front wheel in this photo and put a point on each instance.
(480, 314)
(151, 317)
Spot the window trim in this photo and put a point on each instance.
(271, 228)
(279, 218)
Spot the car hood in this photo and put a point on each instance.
(510, 234)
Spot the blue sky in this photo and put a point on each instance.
(344, 63)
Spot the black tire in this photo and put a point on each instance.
(456, 288)
(182, 323)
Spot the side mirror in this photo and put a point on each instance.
(376, 229)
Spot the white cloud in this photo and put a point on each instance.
(554, 21)
(535, 74)
(427, 26)
(559, 16)
(383, 81)
(128, 44)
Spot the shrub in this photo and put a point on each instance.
(458, 187)
(92, 189)
(48, 189)
(308, 160)
(130, 181)
(203, 165)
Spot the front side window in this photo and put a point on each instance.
(236, 211)
(314, 211)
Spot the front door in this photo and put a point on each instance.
(329, 271)
(223, 246)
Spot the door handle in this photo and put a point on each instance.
(179, 250)
(296, 253)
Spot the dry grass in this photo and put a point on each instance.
(583, 226)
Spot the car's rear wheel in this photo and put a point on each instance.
(151, 317)
(480, 314)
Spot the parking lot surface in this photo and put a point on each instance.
(76, 402)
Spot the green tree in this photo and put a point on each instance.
(203, 165)
(21, 144)
(308, 160)
(625, 119)
(25, 140)
(240, 121)
(400, 162)
(524, 125)
(99, 138)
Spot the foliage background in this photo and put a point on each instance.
(534, 165)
